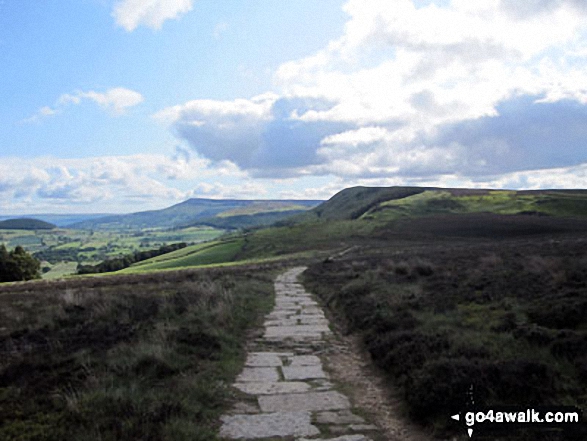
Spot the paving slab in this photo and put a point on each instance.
(267, 425)
(263, 359)
(298, 330)
(255, 374)
(281, 387)
(303, 372)
(304, 360)
(311, 401)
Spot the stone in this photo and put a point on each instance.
(303, 372)
(292, 331)
(261, 374)
(280, 424)
(311, 401)
(340, 417)
(304, 360)
(264, 359)
(281, 387)
(306, 319)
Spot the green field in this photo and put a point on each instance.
(62, 249)
(204, 254)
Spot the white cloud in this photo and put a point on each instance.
(130, 14)
(116, 100)
(119, 183)
(469, 90)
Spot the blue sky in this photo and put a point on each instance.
(126, 105)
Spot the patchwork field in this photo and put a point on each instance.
(62, 249)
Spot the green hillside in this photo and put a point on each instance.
(201, 212)
(445, 201)
(375, 218)
(389, 203)
(353, 202)
(201, 254)
(25, 224)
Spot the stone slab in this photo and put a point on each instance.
(297, 330)
(281, 387)
(304, 360)
(267, 425)
(264, 359)
(303, 372)
(261, 374)
(311, 401)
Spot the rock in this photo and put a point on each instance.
(267, 425)
(282, 387)
(264, 359)
(310, 401)
(263, 374)
(303, 372)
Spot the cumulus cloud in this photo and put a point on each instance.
(138, 181)
(266, 134)
(415, 92)
(130, 14)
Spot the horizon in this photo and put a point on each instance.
(117, 106)
(23, 215)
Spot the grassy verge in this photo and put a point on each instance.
(128, 357)
(508, 318)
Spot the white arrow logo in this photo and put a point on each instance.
(456, 417)
(470, 432)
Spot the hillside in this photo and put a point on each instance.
(25, 224)
(201, 212)
(390, 203)
(378, 218)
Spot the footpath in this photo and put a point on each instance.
(286, 394)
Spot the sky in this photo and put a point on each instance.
(111, 106)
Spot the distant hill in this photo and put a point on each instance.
(25, 224)
(60, 220)
(203, 212)
(389, 203)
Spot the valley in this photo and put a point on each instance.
(442, 288)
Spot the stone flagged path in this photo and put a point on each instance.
(287, 393)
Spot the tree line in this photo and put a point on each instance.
(119, 263)
(18, 265)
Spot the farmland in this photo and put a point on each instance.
(62, 249)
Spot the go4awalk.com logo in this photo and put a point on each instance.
(505, 420)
